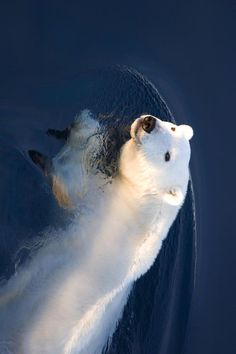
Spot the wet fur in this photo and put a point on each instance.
(69, 298)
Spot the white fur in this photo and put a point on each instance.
(69, 298)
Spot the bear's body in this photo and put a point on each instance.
(71, 295)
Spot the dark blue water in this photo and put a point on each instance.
(187, 49)
(156, 316)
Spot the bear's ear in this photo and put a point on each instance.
(187, 131)
(174, 197)
(42, 161)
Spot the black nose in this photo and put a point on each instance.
(148, 124)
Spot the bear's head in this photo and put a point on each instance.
(157, 158)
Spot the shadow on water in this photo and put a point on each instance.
(156, 315)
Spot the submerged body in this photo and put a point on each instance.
(70, 296)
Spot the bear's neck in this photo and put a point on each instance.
(133, 171)
(132, 196)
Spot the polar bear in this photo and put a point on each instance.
(71, 294)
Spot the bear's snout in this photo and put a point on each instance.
(149, 123)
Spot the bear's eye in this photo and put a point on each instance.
(148, 124)
(167, 156)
